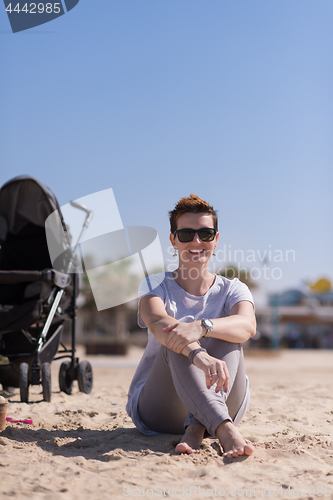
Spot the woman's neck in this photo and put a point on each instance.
(194, 281)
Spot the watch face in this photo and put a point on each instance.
(208, 324)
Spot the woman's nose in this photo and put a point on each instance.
(196, 238)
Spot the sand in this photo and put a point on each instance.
(86, 447)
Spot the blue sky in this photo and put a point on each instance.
(156, 99)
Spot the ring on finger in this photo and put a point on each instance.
(212, 375)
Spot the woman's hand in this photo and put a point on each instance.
(182, 334)
(214, 369)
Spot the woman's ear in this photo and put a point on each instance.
(172, 240)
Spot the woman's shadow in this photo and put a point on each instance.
(92, 444)
(103, 445)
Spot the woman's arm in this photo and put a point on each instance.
(154, 315)
(238, 328)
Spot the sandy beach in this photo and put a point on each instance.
(85, 446)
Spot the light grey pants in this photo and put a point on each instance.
(175, 393)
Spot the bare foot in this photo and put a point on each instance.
(191, 440)
(232, 442)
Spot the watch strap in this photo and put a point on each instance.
(208, 330)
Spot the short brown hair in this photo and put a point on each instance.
(192, 204)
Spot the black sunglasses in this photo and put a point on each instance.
(186, 235)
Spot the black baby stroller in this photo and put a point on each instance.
(35, 298)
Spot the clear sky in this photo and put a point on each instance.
(156, 99)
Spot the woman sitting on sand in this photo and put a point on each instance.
(191, 375)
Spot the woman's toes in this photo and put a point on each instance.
(232, 453)
(246, 450)
(184, 448)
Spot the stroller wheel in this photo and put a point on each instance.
(24, 382)
(65, 381)
(85, 377)
(46, 381)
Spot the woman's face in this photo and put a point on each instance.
(195, 251)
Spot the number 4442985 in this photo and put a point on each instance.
(35, 8)
(303, 491)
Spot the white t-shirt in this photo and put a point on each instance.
(185, 308)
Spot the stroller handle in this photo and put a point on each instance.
(85, 225)
(69, 269)
(85, 209)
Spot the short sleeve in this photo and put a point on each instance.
(238, 291)
(153, 285)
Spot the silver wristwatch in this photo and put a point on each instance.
(208, 324)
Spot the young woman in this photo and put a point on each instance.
(192, 375)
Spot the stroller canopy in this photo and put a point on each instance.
(24, 199)
(25, 204)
